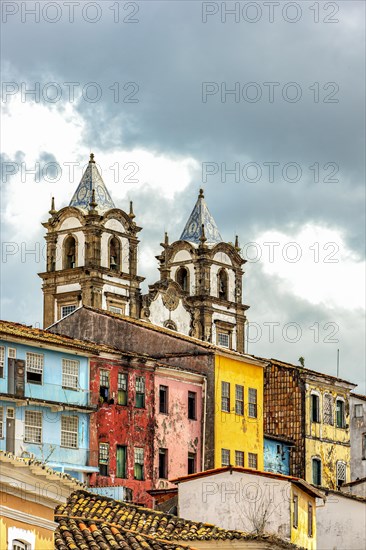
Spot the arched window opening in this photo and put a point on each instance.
(182, 278)
(70, 252)
(222, 284)
(114, 254)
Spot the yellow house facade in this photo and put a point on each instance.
(238, 425)
(29, 494)
(327, 432)
(303, 518)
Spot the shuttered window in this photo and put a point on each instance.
(70, 374)
(69, 431)
(33, 427)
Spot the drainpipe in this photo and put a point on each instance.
(204, 422)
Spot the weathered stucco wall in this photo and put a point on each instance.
(341, 523)
(358, 437)
(139, 337)
(123, 425)
(174, 430)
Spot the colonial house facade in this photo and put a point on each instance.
(45, 403)
(358, 436)
(312, 410)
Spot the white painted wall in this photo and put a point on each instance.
(68, 288)
(231, 501)
(341, 523)
(159, 314)
(70, 223)
(114, 225)
(222, 258)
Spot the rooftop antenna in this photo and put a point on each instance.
(337, 363)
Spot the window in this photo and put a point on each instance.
(223, 339)
(69, 431)
(163, 399)
(66, 310)
(2, 359)
(34, 367)
(253, 460)
(114, 309)
(191, 463)
(328, 409)
(222, 283)
(225, 396)
(252, 398)
(364, 446)
(340, 413)
(140, 392)
(192, 405)
(122, 382)
(1, 422)
(103, 459)
(121, 461)
(239, 399)
(358, 411)
(225, 457)
(163, 463)
(33, 427)
(310, 520)
(70, 374)
(314, 412)
(295, 517)
(139, 463)
(10, 412)
(316, 465)
(114, 254)
(239, 458)
(12, 353)
(104, 385)
(341, 473)
(182, 278)
(69, 252)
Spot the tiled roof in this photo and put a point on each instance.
(358, 396)
(92, 521)
(201, 216)
(306, 371)
(17, 330)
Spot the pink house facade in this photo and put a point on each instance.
(180, 418)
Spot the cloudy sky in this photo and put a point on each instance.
(262, 104)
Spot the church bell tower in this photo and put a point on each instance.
(200, 288)
(91, 253)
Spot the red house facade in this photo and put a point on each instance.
(122, 429)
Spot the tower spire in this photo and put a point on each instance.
(201, 223)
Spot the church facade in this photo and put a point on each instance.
(92, 251)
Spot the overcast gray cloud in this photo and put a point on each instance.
(163, 60)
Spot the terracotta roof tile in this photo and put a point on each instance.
(89, 522)
(17, 330)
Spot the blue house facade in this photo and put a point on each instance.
(277, 453)
(44, 398)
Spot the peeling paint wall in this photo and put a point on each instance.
(324, 440)
(233, 431)
(276, 456)
(174, 430)
(124, 425)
